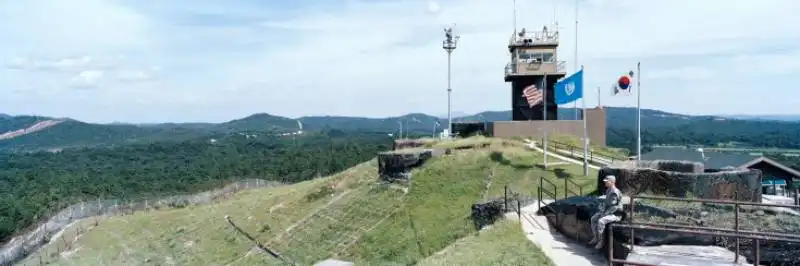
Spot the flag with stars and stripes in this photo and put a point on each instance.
(533, 95)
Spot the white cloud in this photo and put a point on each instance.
(87, 78)
(235, 58)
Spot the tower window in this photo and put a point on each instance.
(546, 57)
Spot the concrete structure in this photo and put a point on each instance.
(778, 179)
(534, 129)
(534, 61)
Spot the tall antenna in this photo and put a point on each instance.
(555, 14)
(514, 16)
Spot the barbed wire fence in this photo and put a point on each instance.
(59, 231)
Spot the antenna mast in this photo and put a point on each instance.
(514, 16)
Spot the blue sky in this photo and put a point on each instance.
(203, 60)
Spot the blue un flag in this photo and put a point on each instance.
(569, 89)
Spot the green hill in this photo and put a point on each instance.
(347, 215)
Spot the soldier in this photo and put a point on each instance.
(608, 209)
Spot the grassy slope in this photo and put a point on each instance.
(357, 220)
(503, 244)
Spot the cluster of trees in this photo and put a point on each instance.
(35, 184)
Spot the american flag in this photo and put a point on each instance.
(533, 95)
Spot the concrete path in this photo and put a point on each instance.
(561, 250)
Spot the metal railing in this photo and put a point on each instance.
(736, 232)
(511, 67)
(575, 151)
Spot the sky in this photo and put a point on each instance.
(212, 61)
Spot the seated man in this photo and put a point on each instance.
(607, 214)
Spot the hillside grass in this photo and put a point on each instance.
(504, 243)
(346, 216)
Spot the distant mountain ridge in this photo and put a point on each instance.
(767, 117)
(658, 127)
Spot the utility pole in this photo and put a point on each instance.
(449, 45)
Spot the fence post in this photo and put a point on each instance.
(519, 211)
(566, 186)
(630, 221)
(505, 198)
(736, 225)
(757, 258)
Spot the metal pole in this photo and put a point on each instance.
(585, 132)
(576, 52)
(630, 221)
(449, 92)
(599, 105)
(736, 229)
(638, 112)
(514, 16)
(546, 123)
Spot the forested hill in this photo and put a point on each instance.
(657, 128)
(31, 184)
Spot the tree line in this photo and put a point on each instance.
(35, 184)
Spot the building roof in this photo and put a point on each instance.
(713, 160)
(795, 173)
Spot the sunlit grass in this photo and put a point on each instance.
(348, 216)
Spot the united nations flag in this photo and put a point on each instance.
(569, 89)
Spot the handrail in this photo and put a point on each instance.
(697, 230)
(591, 154)
(735, 232)
(580, 189)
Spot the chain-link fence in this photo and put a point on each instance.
(64, 227)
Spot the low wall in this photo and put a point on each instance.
(595, 127)
(688, 181)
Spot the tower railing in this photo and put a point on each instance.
(511, 67)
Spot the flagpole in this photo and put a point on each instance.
(576, 52)
(638, 112)
(546, 123)
(599, 104)
(585, 133)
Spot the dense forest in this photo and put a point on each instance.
(32, 184)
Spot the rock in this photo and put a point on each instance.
(742, 185)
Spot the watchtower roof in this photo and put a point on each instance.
(544, 37)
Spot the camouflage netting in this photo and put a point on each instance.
(691, 181)
(396, 166)
(486, 213)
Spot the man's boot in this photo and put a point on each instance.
(593, 241)
(599, 245)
